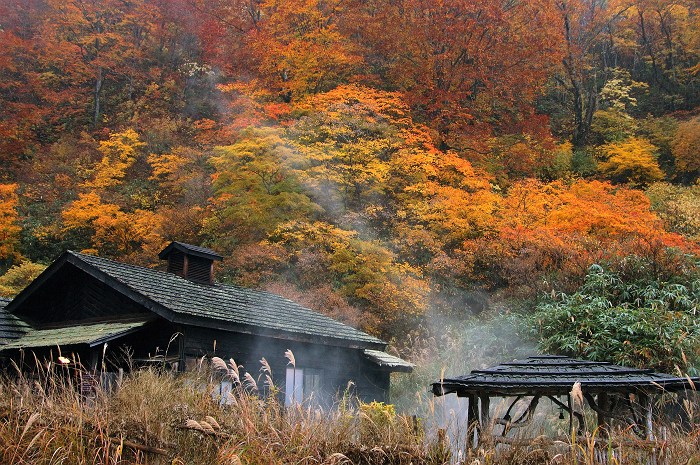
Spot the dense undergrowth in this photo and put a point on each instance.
(157, 417)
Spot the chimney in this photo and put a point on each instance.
(190, 261)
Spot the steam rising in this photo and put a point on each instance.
(456, 347)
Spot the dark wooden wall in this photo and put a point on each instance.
(338, 365)
(73, 295)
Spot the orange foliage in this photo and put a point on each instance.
(555, 231)
(686, 148)
(117, 221)
(9, 227)
(459, 62)
(112, 231)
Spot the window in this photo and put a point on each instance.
(302, 384)
(224, 394)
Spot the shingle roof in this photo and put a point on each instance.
(11, 327)
(227, 303)
(386, 360)
(554, 374)
(91, 334)
(192, 249)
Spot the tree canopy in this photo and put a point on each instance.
(379, 160)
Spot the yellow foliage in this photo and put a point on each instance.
(176, 171)
(366, 271)
(678, 207)
(9, 227)
(632, 161)
(119, 152)
(17, 278)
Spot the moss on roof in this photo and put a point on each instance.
(11, 327)
(91, 334)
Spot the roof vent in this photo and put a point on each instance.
(190, 261)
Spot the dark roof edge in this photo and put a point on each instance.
(672, 385)
(223, 325)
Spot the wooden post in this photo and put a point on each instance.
(181, 360)
(94, 360)
(485, 402)
(647, 401)
(472, 422)
(603, 405)
(571, 414)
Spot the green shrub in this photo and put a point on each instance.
(631, 319)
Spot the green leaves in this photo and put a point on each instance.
(640, 322)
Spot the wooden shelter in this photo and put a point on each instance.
(87, 307)
(613, 392)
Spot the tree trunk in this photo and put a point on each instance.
(98, 92)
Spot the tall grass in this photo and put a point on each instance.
(157, 417)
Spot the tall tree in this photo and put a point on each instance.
(286, 49)
(104, 41)
(588, 26)
(466, 67)
(658, 43)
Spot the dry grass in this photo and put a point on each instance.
(157, 417)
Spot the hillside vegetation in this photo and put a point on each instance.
(385, 162)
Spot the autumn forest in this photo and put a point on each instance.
(382, 161)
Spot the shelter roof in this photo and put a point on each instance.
(92, 334)
(555, 375)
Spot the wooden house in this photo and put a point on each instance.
(100, 310)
